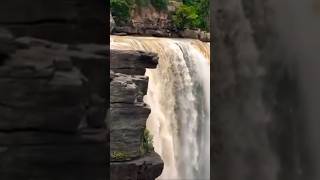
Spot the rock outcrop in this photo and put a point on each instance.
(128, 117)
(52, 110)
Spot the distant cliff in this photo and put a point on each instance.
(169, 19)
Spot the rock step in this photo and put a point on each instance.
(147, 167)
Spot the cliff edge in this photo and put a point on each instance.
(129, 157)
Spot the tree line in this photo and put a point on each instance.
(191, 14)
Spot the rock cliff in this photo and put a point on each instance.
(53, 95)
(261, 127)
(52, 110)
(149, 21)
(128, 113)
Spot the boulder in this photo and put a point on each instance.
(188, 33)
(204, 36)
(146, 168)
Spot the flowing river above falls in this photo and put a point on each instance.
(179, 98)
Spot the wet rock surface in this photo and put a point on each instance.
(128, 116)
(52, 110)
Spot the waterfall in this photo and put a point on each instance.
(179, 98)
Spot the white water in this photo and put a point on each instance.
(179, 97)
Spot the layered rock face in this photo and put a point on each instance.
(52, 110)
(69, 21)
(128, 115)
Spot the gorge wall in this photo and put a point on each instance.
(53, 98)
(128, 85)
(264, 119)
(52, 110)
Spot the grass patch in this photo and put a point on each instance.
(119, 155)
(147, 142)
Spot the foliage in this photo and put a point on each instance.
(192, 14)
(118, 155)
(186, 17)
(204, 9)
(142, 3)
(147, 142)
(159, 4)
(121, 10)
(188, 2)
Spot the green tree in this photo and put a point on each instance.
(121, 10)
(147, 142)
(192, 14)
(204, 9)
(160, 4)
(186, 17)
(142, 3)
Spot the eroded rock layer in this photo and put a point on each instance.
(129, 115)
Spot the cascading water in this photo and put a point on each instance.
(179, 97)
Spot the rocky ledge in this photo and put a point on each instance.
(128, 117)
(143, 30)
(52, 110)
(148, 22)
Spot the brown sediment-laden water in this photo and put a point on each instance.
(179, 98)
